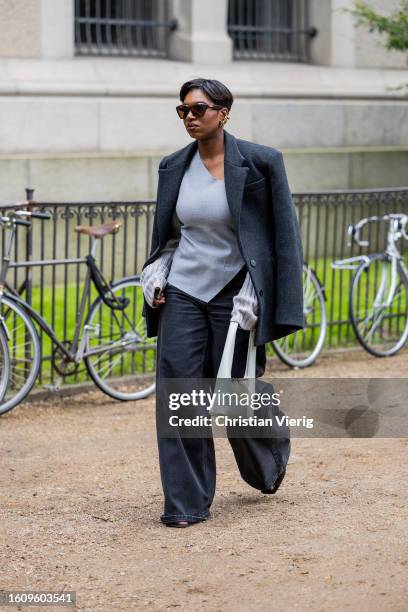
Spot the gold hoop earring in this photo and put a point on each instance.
(222, 122)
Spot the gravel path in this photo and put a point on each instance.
(81, 498)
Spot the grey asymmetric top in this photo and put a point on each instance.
(204, 247)
(207, 256)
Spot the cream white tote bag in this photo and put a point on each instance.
(234, 393)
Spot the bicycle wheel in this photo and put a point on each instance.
(119, 357)
(379, 306)
(24, 353)
(4, 365)
(302, 348)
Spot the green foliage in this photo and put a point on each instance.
(395, 26)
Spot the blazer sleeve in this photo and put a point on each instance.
(155, 274)
(155, 232)
(289, 253)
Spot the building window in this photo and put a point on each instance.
(122, 27)
(270, 29)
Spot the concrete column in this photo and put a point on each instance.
(42, 29)
(201, 36)
(57, 29)
(343, 34)
(320, 18)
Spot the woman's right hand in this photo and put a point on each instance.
(158, 297)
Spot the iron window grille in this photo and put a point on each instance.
(274, 30)
(123, 27)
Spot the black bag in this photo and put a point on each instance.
(266, 445)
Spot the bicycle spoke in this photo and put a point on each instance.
(118, 350)
(110, 366)
(379, 318)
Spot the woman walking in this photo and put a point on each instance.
(225, 247)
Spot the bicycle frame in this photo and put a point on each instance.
(351, 263)
(393, 235)
(77, 351)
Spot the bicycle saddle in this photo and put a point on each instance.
(99, 231)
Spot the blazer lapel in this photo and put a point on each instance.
(235, 174)
(169, 184)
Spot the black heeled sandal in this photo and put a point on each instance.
(179, 524)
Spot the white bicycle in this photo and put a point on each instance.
(378, 300)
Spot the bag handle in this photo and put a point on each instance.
(224, 371)
(251, 356)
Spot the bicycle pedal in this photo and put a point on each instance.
(52, 388)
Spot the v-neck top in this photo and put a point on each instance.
(207, 256)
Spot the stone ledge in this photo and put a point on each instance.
(143, 154)
(108, 177)
(134, 77)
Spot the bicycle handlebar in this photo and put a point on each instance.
(15, 217)
(33, 214)
(355, 228)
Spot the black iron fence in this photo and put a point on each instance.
(54, 287)
(276, 30)
(123, 27)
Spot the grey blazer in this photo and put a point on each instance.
(266, 226)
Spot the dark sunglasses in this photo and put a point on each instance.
(198, 109)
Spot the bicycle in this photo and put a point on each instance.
(378, 298)
(111, 339)
(302, 348)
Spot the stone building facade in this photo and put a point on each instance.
(88, 93)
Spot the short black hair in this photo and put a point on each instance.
(215, 90)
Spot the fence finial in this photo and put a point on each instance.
(29, 194)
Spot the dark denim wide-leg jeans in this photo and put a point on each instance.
(191, 338)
